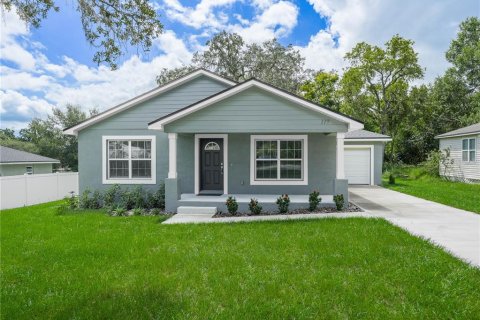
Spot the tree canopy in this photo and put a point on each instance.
(110, 26)
(228, 55)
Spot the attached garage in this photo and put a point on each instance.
(364, 157)
(359, 164)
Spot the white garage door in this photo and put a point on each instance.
(357, 166)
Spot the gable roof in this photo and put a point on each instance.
(473, 129)
(9, 155)
(365, 135)
(73, 130)
(159, 123)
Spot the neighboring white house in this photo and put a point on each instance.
(463, 145)
(15, 162)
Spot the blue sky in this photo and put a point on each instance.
(51, 66)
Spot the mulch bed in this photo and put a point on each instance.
(351, 208)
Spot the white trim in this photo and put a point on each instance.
(172, 155)
(144, 97)
(468, 150)
(340, 156)
(372, 159)
(197, 159)
(159, 125)
(152, 180)
(368, 140)
(302, 182)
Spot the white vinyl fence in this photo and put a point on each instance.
(19, 191)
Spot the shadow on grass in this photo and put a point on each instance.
(131, 303)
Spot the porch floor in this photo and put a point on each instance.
(245, 198)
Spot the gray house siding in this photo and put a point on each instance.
(134, 121)
(461, 170)
(378, 152)
(255, 111)
(321, 170)
(20, 168)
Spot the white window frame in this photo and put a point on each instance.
(26, 170)
(468, 150)
(151, 180)
(279, 182)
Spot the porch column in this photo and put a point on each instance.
(172, 155)
(340, 156)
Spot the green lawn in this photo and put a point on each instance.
(414, 181)
(92, 266)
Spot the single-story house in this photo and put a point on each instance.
(207, 137)
(16, 162)
(461, 145)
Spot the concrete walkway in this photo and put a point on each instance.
(456, 230)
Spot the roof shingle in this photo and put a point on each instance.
(364, 134)
(474, 128)
(9, 155)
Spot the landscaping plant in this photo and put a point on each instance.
(314, 199)
(232, 205)
(283, 202)
(339, 201)
(110, 196)
(254, 207)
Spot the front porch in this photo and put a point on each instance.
(267, 201)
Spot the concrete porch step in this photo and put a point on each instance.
(197, 210)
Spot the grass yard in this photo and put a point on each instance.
(414, 181)
(91, 266)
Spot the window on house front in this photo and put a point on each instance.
(129, 160)
(28, 170)
(279, 159)
(469, 149)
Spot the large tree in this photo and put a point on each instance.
(47, 134)
(228, 55)
(375, 86)
(323, 89)
(111, 26)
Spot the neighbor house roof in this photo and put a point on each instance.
(73, 130)
(9, 155)
(473, 129)
(159, 123)
(364, 135)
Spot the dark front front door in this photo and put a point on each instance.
(211, 166)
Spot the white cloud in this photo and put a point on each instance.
(35, 85)
(431, 24)
(272, 19)
(276, 21)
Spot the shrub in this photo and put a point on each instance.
(155, 212)
(313, 200)
(85, 202)
(232, 205)
(254, 207)
(283, 202)
(126, 199)
(339, 201)
(138, 211)
(156, 199)
(119, 211)
(138, 200)
(391, 179)
(72, 201)
(110, 196)
(96, 201)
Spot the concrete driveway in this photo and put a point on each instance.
(456, 230)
